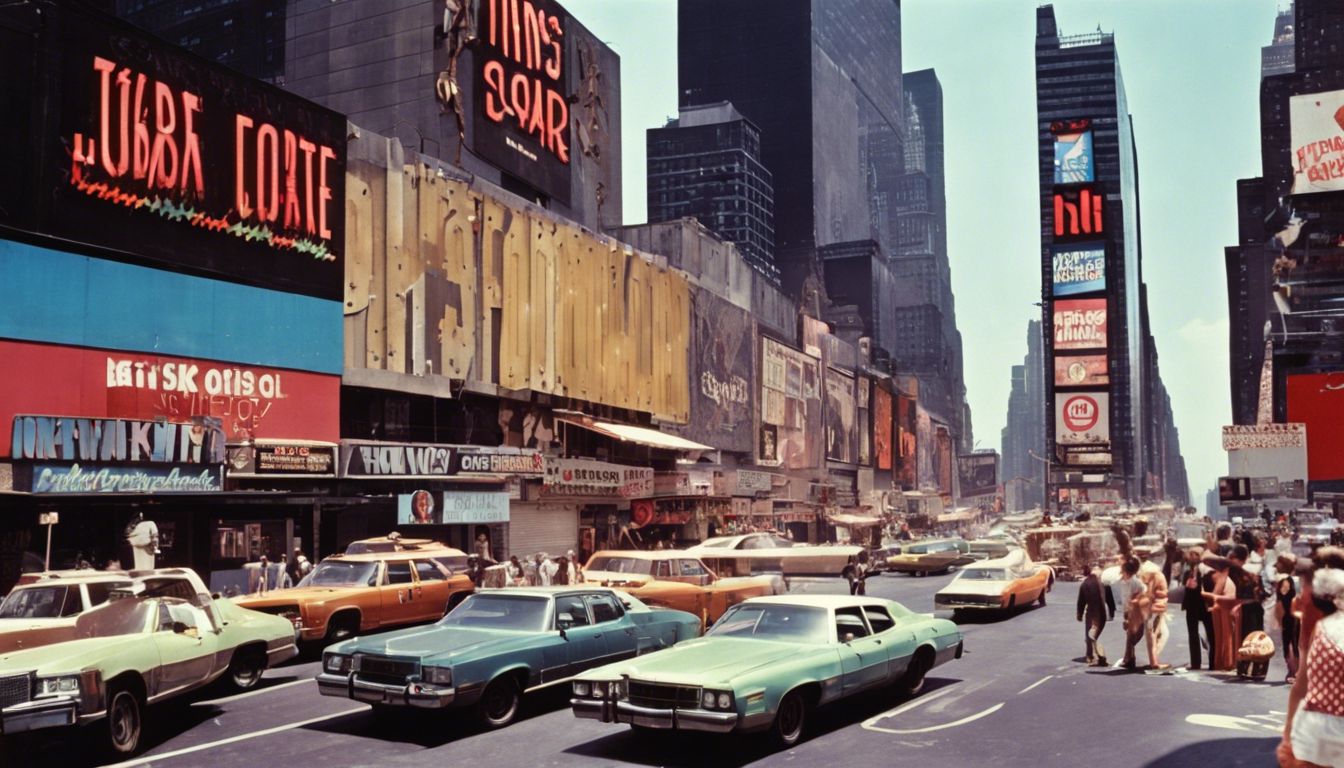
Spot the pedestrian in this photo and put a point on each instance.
(1285, 589)
(1250, 608)
(562, 571)
(483, 548)
(575, 572)
(1309, 611)
(1317, 735)
(1195, 578)
(1172, 558)
(1153, 609)
(1096, 604)
(1222, 601)
(549, 569)
(537, 573)
(857, 573)
(513, 573)
(1131, 591)
(1222, 544)
(475, 570)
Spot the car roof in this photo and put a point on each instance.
(647, 554)
(819, 601)
(400, 554)
(546, 591)
(82, 576)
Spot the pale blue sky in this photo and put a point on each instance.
(1191, 72)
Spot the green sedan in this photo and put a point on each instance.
(498, 645)
(767, 663)
(132, 652)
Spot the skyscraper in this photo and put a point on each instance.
(1023, 437)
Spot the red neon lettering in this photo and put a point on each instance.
(291, 182)
(191, 149)
(558, 109)
(307, 147)
(268, 173)
(324, 194)
(240, 199)
(552, 66)
(532, 23)
(105, 69)
(520, 98)
(140, 129)
(494, 102)
(163, 157)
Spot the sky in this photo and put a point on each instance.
(1191, 70)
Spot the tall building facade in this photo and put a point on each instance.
(706, 165)
(245, 35)
(1097, 360)
(1023, 438)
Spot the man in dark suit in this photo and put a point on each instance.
(1096, 605)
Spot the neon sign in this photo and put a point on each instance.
(1078, 213)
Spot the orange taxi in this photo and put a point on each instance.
(678, 580)
(411, 582)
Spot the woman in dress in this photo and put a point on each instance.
(1317, 734)
(1223, 605)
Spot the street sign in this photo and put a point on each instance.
(48, 518)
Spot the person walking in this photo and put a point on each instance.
(1096, 604)
(1317, 734)
(1153, 610)
(1195, 579)
(1285, 589)
(1310, 611)
(562, 571)
(1250, 606)
(1131, 590)
(857, 573)
(1222, 602)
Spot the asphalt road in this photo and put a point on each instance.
(1020, 696)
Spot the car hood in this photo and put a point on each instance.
(291, 596)
(440, 642)
(977, 587)
(708, 660)
(68, 657)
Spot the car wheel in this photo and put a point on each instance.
(123, 721)
(790, 719)
(1041, 600)
(500, 702)
(341, 627)
(913, 680)
(246, 668)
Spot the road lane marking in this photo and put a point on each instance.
(148, 759)
(1230, 722)
(931, 728)
(906, 707)
(1033, 685)
(258, 692)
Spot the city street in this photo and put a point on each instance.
(1020, 696)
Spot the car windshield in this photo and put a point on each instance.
(41, 603)
(522, 613)
(338, 573)
(616, 564)
(984, 574)
(795, 623)
(127, 616)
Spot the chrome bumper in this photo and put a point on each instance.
(281, 653)
(649, 717)
(36, 715)
(421, 695)
(955, 602)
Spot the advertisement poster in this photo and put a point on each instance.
(1078, 213)
(978, 474)
(722, 370)
(1317, 151)
(1082, 418)
(1081, 371)
(790, 407)
(1073, 158)
(1079, 268)
(1080, 324)
(1317, 400)
(944, 463)
(841, 420)
(906, 453)
(865, 423)
(882, 424)
(585, 477)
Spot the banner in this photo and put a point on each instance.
(87, 478)
(584, 477)
(1073, 158)
(1081, 371)
(978, 474)
(790, 407)
(882, 423)
(1079, 268)
(1317, 124)
(367, 459)
(841, 420)
(1082, 418)
(1080, 324)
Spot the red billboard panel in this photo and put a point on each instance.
(1078, 213)
(882, 427)
(250, 401)
(1081, 371)
(1080, 324)
(1317, 400)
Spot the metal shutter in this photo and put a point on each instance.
(549, 528)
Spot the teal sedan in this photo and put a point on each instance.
(498, 645)
(767, 663)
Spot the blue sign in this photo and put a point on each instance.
(1073, 158)
(91, 478)
(1079, 268)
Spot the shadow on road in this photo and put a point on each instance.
(84, 746)
(991, 616)
(1224, 753)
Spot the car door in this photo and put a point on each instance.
(432, 590)
(619, 637)
(396, 595)
(186, 648)
(899, 641)
(863, 655)
(583, 641)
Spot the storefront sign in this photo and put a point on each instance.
(1082, 418)
(1079, 268)
(294, 459)
(499, 461)
(89, 478)
(749, 482)
(1080, 324)
(1317, 124)
(67, 438)
(583, 477)
(396, 460)
(187, 163)
(475, 507)
(1081, 371)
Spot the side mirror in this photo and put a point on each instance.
(563, 636)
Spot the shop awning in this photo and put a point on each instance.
(854, 521)
(631, 434)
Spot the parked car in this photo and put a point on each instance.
(993, 545)
(679, 580)
(348, 594)
(919, 558)
(1008, 582)
(393, 542)
(794, 559)
(767, 663)
(497, 646)
(132, 652)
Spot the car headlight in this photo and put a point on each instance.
(337, 663)
(581, 689)
(707, 700)
(716, 700)
(438, 675)
(52, 686)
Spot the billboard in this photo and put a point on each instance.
(882, 424)
(1082, 418)
(1317, 400)
(1073, 158)
(905, 447)
(521, 120)
(978, 474)
(722, 375)
(842, 430)
(1317, 126)
(1079, 268)
(1081, 371)
(1078, 213)
(790, 407)
(1080, 324)
(186, 164)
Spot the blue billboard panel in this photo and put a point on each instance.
(1073, 158)
(1079, 268)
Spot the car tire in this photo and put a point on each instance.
(912, 682)
(500, 702)
(245, 669)
(1041, 600)
(786, 730)
(341, 627)
(124, 721)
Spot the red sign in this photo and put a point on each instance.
(1317, 400)
(882, 427)
(1080, 324)
(1081, 413)
(1078, 213)
(250, 401)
